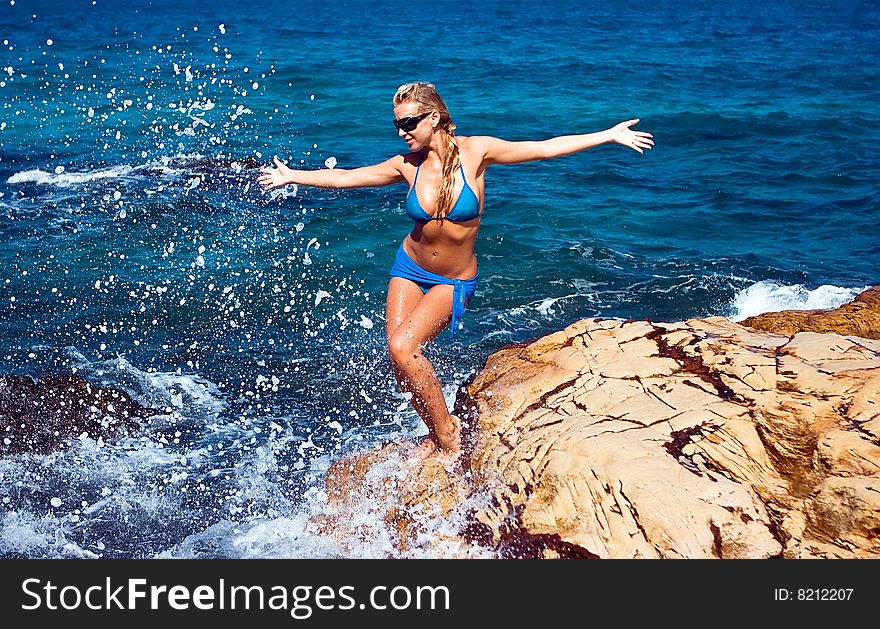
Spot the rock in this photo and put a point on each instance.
(860, 317)
(695, 439)
(43, 416)
(389, 494)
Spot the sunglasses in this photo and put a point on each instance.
(411, 122)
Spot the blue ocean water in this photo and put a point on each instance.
(140, 251)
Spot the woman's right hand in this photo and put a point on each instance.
(274, 177)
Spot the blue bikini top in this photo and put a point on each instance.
(466, 208)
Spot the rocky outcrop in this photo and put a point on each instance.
(696, 439)
(42, 416)
(860, 317)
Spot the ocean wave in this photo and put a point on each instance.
(95, 500)
(64, 179)
(27, 534)
(179, 394)
(768, 296)
(165, 166)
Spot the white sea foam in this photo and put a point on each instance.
(62, 177)
(65, 178)
(356, 527)
(26, 533)
(283, 537)
(543, 306)
(546, 306)
(178, 393)
(89, 486)
(767, 296)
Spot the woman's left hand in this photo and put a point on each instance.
(637, 140)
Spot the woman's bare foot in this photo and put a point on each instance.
(449, 434)
(426, 448)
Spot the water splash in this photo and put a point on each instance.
(768, 296)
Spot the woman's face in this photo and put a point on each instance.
(420, 136)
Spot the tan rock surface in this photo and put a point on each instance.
(860, 317)
(697, 439)
(694, 439)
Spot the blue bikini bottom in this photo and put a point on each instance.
(462, 290)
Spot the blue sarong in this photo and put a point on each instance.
(462, 290)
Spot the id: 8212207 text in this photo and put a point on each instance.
(813, 594)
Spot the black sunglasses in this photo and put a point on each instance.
(411, 122)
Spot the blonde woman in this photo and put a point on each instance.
(435, 273)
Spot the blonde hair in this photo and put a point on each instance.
(426, 97)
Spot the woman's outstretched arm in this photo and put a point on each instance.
(382, 174)
(497, 151)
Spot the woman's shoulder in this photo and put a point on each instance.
(469, 142)
(475, 144)
(465, 141)
(409, 159)
(476, 140)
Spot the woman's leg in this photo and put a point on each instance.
(402, 298)
(412, 321)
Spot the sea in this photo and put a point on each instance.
(140, 252)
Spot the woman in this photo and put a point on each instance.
(435, 272)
